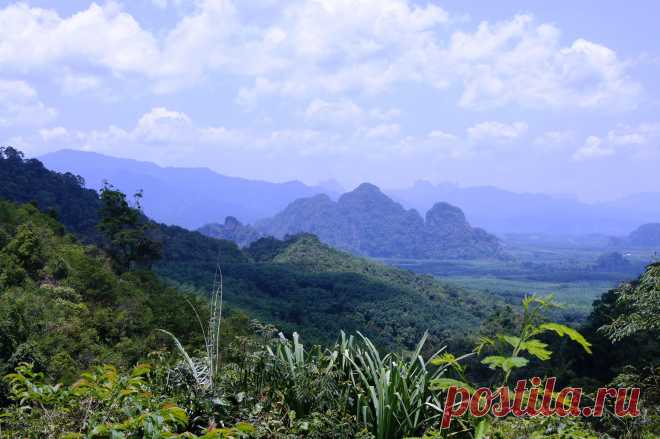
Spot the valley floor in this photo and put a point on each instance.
(569, 272)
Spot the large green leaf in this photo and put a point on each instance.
(505, 363)
(563, 330)
(537, 348)
(446, 383)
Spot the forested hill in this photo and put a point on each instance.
(63, 195)
(367, 222)
(66, 307)
(325, 290)
(272, 281)
(63, 308)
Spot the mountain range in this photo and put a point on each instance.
(192, 197)
(367, 222)
(646, 236)
(502, 212)
(187, 197)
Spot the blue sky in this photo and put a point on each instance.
(555, 97)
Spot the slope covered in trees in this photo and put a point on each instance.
(392, 306)
(63, 308)
(62, 194)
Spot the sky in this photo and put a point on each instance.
(530, 96)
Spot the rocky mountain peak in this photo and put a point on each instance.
(232, 223)
(443, 214)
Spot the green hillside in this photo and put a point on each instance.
(272, 280)
(81, 355)
(326, 290)
(63, 308)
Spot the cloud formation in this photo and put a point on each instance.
(343, 87)
(297, 52)
(20, 105)
(496, 131)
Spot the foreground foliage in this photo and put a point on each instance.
(268, 387)
(64, 309)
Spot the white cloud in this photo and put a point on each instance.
(496, 131)
(390, 130)
(627, 138)
(161, 125)
(162, 4)
(345, 112)
(516, 61)
(73, 83)
(593, 148)
(162, 128)
(339, 112)
(49, 134)
(219, 135)
(20, 105)
(331, 47)
(100, 35)
(440, 135)
(635, 142)
(555, 138)
(384, 114)
(521, 62)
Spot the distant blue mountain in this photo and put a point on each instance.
(501, 211)
(188, 197)
(193, 197)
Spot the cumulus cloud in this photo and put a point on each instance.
(630, 141)
(593, 148)
(496, 131)
(321, 46)
(73, 83)
(50, 134)
(162, 125)
(521, 62)
(346, 113)
(339, 112)
(554, 138)
(627, 138)
(20, 105)
(390, 130)
(442, 136)
(160, 128)
(100, 35)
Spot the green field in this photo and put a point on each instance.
(565, 269)
(577, 296)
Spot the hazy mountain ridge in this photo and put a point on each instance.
(188, 197)
(365, 221)
(645, 236)
(193, 197)
(501, 211)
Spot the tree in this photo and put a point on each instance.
(641, 302)
(126, 231)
